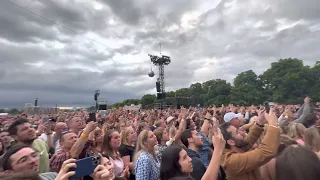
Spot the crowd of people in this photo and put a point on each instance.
(230, 142)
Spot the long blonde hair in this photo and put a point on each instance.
(296, 130)
(141, 144)
(124, 134)
(312, 139)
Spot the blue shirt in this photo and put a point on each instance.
(203, 151)
(147, 167)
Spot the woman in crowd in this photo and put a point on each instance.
(162, 137)
(126, 149)
(111, 143)
(296, 132)
(297, 163)
(110, 166)
(147, 165)
(142, 126)
(312, 139)
(177, 165)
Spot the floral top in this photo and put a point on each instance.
(159, 150)
(147, 167)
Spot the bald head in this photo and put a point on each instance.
(60, 127)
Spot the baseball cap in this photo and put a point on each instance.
(229, 116)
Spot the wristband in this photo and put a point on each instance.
(262, 126)
(84, 136)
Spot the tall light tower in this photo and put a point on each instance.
(96, 98)
(160, 61)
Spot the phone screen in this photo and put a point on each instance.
(267, 106)
(92, 117)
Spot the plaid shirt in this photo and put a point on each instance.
(61, 156)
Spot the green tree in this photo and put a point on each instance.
(287, 80)
(196, 91)
(247, 89)
(131, 101)
(148, 99)
(14, 111)
(218, 92)
(183, 92)
(171, 94)
(314, 91)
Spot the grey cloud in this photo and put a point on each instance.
(18, 25)
(225, 42)
(307, 10)
(21, 25)
(126, 10)
(63, 86)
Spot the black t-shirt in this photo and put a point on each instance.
(126, 150)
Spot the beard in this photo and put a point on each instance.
(240, 143)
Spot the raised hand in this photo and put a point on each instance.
(271, 117)
(64, 173)
(217, 138)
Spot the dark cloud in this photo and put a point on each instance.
(107, 46)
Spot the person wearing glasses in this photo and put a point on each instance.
(23, 158)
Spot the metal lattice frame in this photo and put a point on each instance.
(161, 78)
(160, 61)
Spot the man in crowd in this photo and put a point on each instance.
(5, 138)
(239, 161)
(192, 140)
(23, 158)
(23, 132)
(233, 118)
(72, 146)
(76, 124)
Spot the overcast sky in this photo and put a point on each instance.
(206, 39)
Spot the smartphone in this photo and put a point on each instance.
(85, 166)
(267, 106)
(92, 117)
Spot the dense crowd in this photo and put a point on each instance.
(227, 142)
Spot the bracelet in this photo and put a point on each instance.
(84, 136)
(207, 119)
(262, 126)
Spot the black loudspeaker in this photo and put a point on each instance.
(161, 95)
(36, 102)
(102, 107)
(158, 86)
(95, 96)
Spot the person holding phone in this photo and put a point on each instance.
(72, 146)
(22, 158)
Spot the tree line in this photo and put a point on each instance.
(287, 81)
